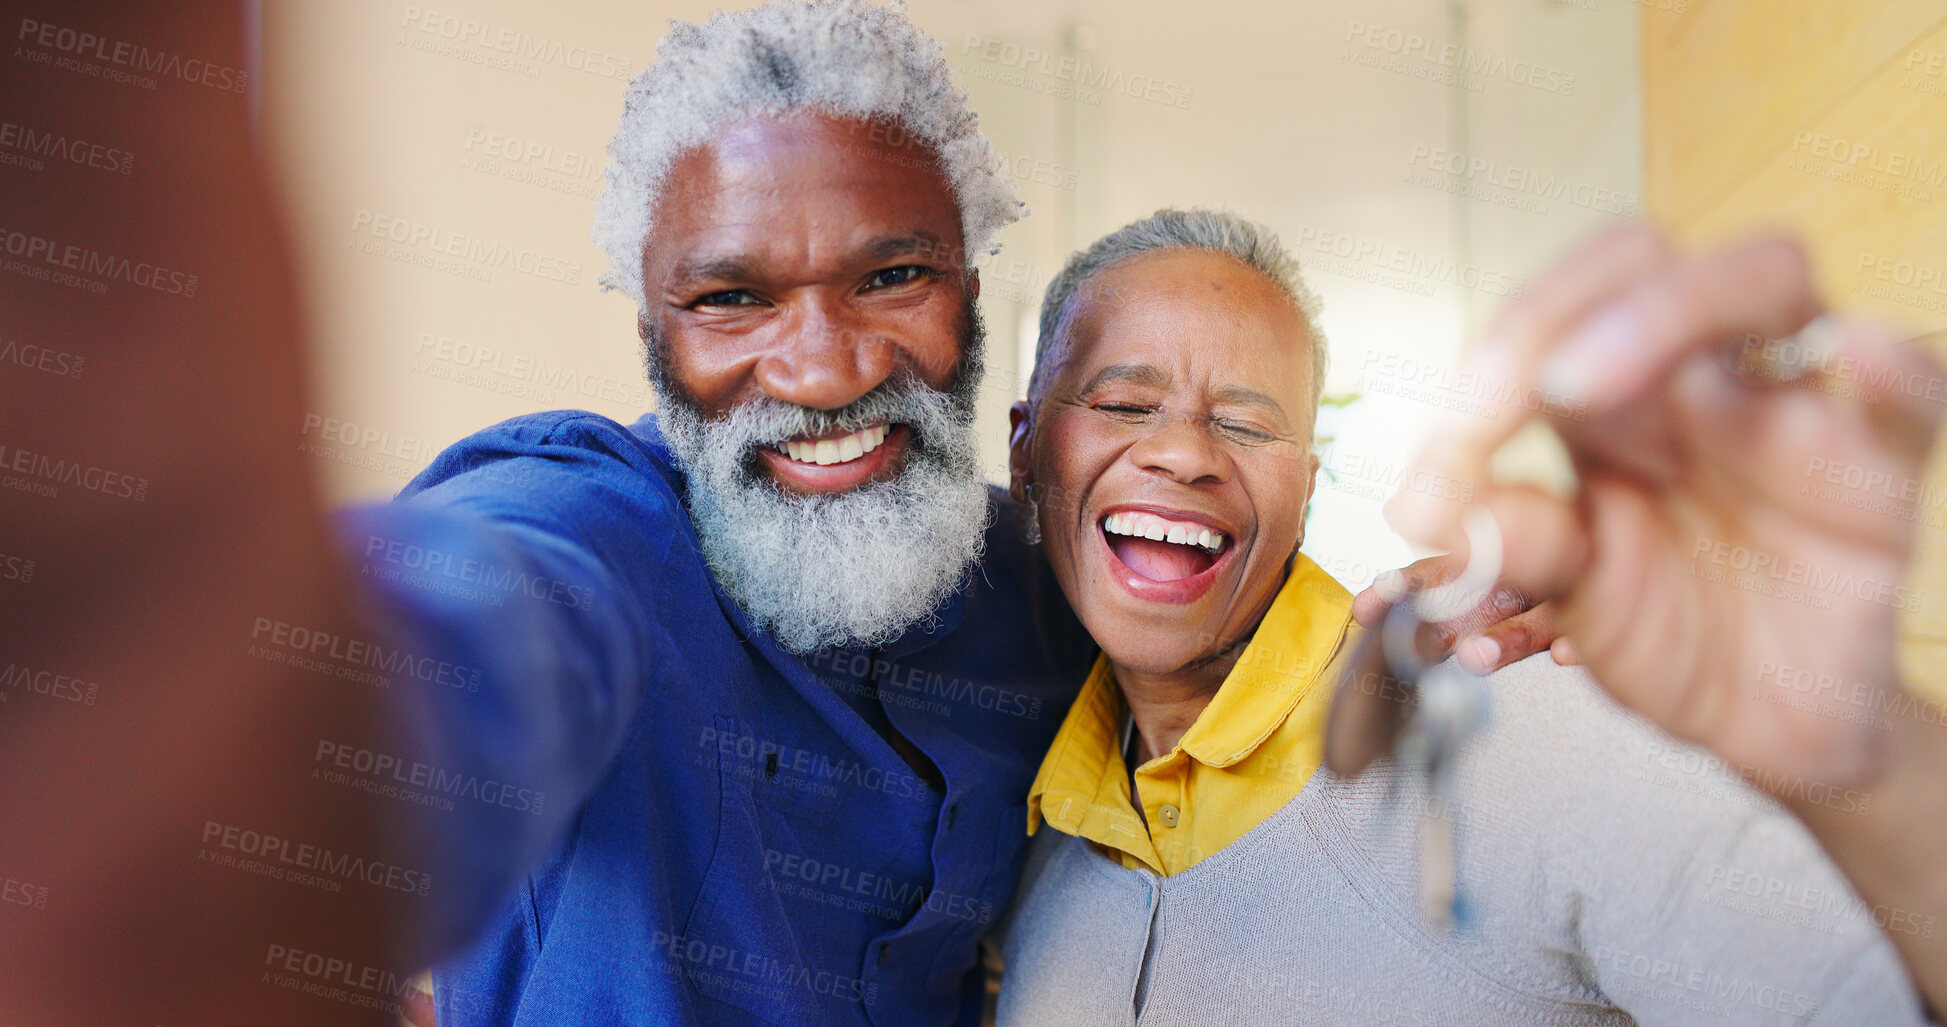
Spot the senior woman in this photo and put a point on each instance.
(1192, 863)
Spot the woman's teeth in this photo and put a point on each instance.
(835, 451)
(1158, 529)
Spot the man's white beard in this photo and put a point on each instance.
(851, 568)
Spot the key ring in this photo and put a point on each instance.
(1400, 631)
(1381, 683)
(1442, 603)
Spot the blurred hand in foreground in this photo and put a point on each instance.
(1750, 476)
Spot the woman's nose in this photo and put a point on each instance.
(825, 356)
(1182, 450)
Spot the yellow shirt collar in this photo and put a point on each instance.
(1083, 788)
(1285, 659)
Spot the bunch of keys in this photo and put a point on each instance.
(1392, 699)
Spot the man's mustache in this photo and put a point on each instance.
(769, 421)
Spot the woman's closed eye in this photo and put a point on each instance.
(1121, 409)
(1249, 434)
(1242, 432)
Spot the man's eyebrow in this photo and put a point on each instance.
(1134, 374)
(712, 269)
(1248, 397)
(890, 246)
(741, 267)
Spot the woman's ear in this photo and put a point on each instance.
(1311, 489)
(1019, 434)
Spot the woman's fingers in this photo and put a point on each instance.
(1504, 627)
(1509, 640)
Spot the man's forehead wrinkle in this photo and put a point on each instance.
(760, 143)
(730, 248)
(748, 155)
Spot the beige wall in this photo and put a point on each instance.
(1389, 141)
(1828, 117)
(369, 126)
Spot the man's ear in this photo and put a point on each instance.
(973, 281)
(642, 325)
(1020, 432)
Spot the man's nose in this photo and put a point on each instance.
(1183, 450)
(824, 356)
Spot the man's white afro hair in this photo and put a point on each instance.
(843, 57)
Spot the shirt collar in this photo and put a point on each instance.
(1287, 655)
(1081, 793)
(1082, 787)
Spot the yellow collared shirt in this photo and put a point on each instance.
(1248, 754)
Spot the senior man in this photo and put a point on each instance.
(785, 744)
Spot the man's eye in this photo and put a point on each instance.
(727, 298)
(891, 276)
(1125, 409)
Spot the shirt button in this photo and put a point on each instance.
(1168, 814)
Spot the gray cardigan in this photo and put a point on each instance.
(1613, 873)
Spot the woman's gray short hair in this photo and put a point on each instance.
(842, 57)
(1217, 231)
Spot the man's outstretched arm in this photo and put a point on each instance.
(163, 509)
(175, 850)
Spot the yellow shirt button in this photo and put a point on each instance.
(1168, 814)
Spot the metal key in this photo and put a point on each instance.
(1453, 706)
(1390, 699)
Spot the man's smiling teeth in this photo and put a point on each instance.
(1158, 529)
(835, 451)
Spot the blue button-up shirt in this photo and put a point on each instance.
(662, 816)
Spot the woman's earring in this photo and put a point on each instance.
(1030, 526)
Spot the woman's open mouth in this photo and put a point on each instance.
(1168, 557)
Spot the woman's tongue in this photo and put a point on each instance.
(1160, 561)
